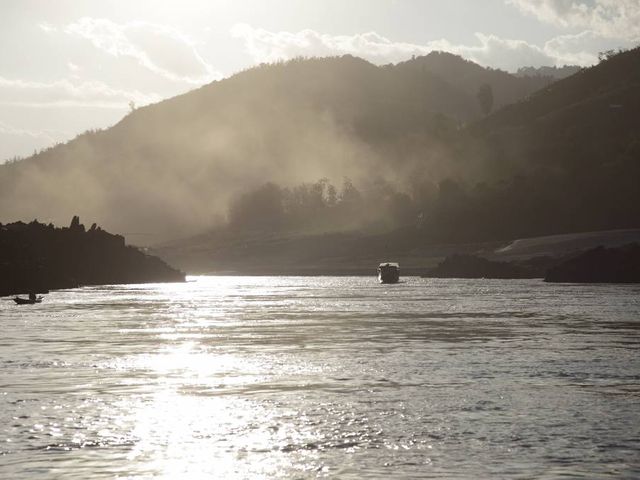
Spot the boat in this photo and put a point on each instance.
(388, 272)
(27, 301)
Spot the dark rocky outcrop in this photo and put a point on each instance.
(471, 266)
(38, 257)
(600, 265)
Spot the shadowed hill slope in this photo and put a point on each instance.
(565, 160)
(169, 169)
(468, 77)
(569, 156)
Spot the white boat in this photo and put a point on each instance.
(388, 272)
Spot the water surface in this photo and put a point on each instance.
(304, 377)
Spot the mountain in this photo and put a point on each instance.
(312, 162)
(564, 160)
(171, 169)
(468, 77)
(569, 157)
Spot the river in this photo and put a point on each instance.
(314, 377)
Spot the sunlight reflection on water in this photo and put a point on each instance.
(280, 377)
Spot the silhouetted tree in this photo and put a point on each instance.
(259, 209)
(607, 54)
(350, 193)
(332, 195)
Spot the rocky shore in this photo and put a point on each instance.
(600, 265)
(35, 257)
(596, 265)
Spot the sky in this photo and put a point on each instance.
(67, 66)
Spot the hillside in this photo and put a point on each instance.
(468, 77)
(315, 163)
(568, 156)
(170, 169)
(565, 160)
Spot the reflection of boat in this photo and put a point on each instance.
(388, 272)
(27, 301)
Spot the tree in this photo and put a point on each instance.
(350, 194)
(259, 209)
(606, 55)
(485, 98)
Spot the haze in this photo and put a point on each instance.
(320, 238)
(423, 121)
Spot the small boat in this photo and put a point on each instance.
(27, 301)
(388, 272)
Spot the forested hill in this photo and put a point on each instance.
(468, 77)
(569, 155)
(565, 160)
(171, 169)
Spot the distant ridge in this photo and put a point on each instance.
(556, 73)
(468, 77)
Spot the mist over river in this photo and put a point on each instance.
(305, 377)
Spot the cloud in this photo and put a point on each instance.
(266, 46)
(160, 49)
(580, 48)
(67, 92)
(489, 50)
(619, 19)
(501, 53)
(48, 135)
(47, 27)
(19, 142)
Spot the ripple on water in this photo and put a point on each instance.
(259, 377)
